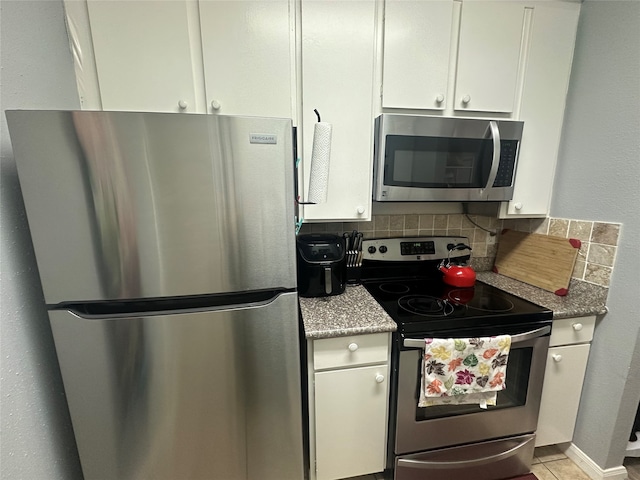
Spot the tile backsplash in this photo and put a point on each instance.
(596, 257)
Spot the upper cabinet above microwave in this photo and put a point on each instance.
(448, 55)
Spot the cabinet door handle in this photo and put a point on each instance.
(466, 99)
(182, 105)
(577, 327)
(556, 357)
(439, 98)
(215, 104)
(353, 347)
(379, 378)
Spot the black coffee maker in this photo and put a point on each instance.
(322, 265)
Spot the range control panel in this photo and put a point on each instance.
(403, 249)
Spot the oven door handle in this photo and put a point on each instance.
(521, 337)
(431, 464)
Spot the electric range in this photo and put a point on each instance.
(453, 441)
(403, 277)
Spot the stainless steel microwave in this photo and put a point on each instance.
(422, 158)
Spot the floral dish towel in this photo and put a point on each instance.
(464, 370)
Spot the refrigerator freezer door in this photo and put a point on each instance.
(139, 205)
(200, 395)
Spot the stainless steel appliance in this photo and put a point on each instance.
(422, 158)
(463, 442)
(166, 248)
(322, 265)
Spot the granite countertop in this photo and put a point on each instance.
(357, 312)
(353, 312)
(582, 300)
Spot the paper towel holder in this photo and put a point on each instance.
(297, 161)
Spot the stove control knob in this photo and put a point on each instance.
(371, 249)
(379, 378)
(577, 327)
(383, 249)
(556, 357)
(353, 347)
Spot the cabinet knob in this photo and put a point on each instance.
(379, 378)
(439, 98)
(466, 99)
(353, 347)
(556, 357)
(360, 209)
(182, 105)
(577, 327)
(215, 104)
(517, 206)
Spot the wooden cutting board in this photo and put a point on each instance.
(544, 261)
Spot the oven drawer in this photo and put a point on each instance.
(504, 458)
(350, 351)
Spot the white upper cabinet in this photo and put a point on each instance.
(451, 55)
(143, 55)
(488, 55)
(417, 40)
(247, 55)
(338, 56)
(544, 93)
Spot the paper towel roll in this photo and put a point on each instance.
(320, 156)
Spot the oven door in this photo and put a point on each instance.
(515, 412)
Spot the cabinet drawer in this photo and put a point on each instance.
(572, 330)
(350, 351)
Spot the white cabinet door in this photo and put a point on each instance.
(247, 52)
(350, 413)
(338, 53)
(143, 55)
(417, 39)
(488, 55)
(544, 94)
(563, 381)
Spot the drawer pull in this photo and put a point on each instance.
(577, 327)
(556, 357)
(379, 378)
(353, 347)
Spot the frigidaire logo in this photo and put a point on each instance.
(263, 138)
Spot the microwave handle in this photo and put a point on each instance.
(494, 131)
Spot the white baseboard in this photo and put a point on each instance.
(591, 468)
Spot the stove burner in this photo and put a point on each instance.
(425, 305)
(398, 288)
(483, 301)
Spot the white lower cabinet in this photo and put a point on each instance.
(348, 382)
(564, 376)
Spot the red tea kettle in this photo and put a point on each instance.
(457, 275)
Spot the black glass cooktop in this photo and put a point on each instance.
(428, 305)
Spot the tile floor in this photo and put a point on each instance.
(550, 463)
(633, 467)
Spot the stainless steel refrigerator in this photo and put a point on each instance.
(165, 245)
